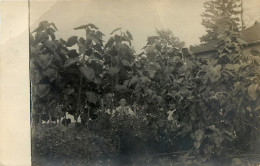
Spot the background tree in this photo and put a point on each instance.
(217, 8)
(166, 36)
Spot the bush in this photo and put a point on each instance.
(60, 145)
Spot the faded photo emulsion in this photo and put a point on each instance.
(144, 83)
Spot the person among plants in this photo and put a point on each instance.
(123, 109)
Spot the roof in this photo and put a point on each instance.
(249, 35)
(204, 47)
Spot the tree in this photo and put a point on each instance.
(219, 8)
(166, 36)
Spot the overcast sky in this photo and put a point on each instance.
(140, 17)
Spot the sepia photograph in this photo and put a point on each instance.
(144, 83)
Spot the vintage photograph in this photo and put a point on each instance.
(145, 83)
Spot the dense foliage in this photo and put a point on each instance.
(162, 101)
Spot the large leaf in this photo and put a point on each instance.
(54, 26)
(252, 91)
(73, 53)
(42, 26)
(86, 26)
(39, 108)
(51, 74)
(36, 50)
(126, 63)
(198, 134)
(99, 34)
(94, 38)
(92, 97)
(132, 81)
(71, 61)
(88, 72)
(129, 35)
(41, 36)
(42, 90)
(113, 70)
(63, 41)
(109, 43)
(44, 60)
(214, 73)
(115, 30)
(93, 26)
(52, 45)
(51, 33)
(126, 38)
(234, 67)
(37, 77)
(72, 41)
(81, 27)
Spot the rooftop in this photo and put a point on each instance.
(249, 35)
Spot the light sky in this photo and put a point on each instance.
(141, 18)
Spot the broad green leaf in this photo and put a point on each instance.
(118, 39)
(113, 70)
(51, 73)
(71, 61)
(234, 67)
(41, 36)
(157, 65)
(133, 80)
(44, 60)
(44, 24)
(126, 63)
(115, 30)
(126, 38)
(199, 134)
(197, 144)
(159, 100)
(51, 33)
(54, 26)
(110, 42)
(81, 27)
(42, 90)
(38, 77)
(82, 46)
(86, 26)
(92, 97)
(73, 53)
(129, 35)
(94, 38)
(99, 34)
(72, 41)
(88, 72)
(93, 26)
(252, 91)
(63, 41)
(36, 50)
(52, 45)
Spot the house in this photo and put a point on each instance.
(250, 35)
